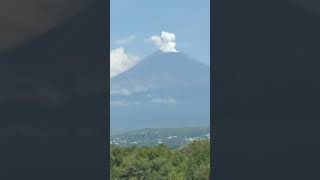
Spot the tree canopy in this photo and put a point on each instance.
(190, 162)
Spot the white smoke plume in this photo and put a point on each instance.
(165, 42)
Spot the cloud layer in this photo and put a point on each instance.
(165, 42)
(168, 100)
(120, 61)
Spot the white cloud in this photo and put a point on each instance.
(120, 92)
(125, 40)
(120, 61)
(168, 100)
(156, 40)
(165, 42)
(127, 92)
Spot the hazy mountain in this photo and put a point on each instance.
(162, 90)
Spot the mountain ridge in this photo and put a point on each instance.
(156, 54)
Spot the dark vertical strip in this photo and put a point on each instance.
(53, 110)
(107, 87)
(267, 104)
(212, 89)
(216, 83)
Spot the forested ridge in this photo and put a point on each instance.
(189, 162)
(171, 137)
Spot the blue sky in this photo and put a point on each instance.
(136, 20)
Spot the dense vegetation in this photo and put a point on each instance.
(190, 162)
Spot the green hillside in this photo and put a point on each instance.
(191, 162)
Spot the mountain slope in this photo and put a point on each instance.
(163, 90)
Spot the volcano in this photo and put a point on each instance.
(163, 90)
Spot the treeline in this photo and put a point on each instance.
(191, 162)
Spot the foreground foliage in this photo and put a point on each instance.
(161, 163)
